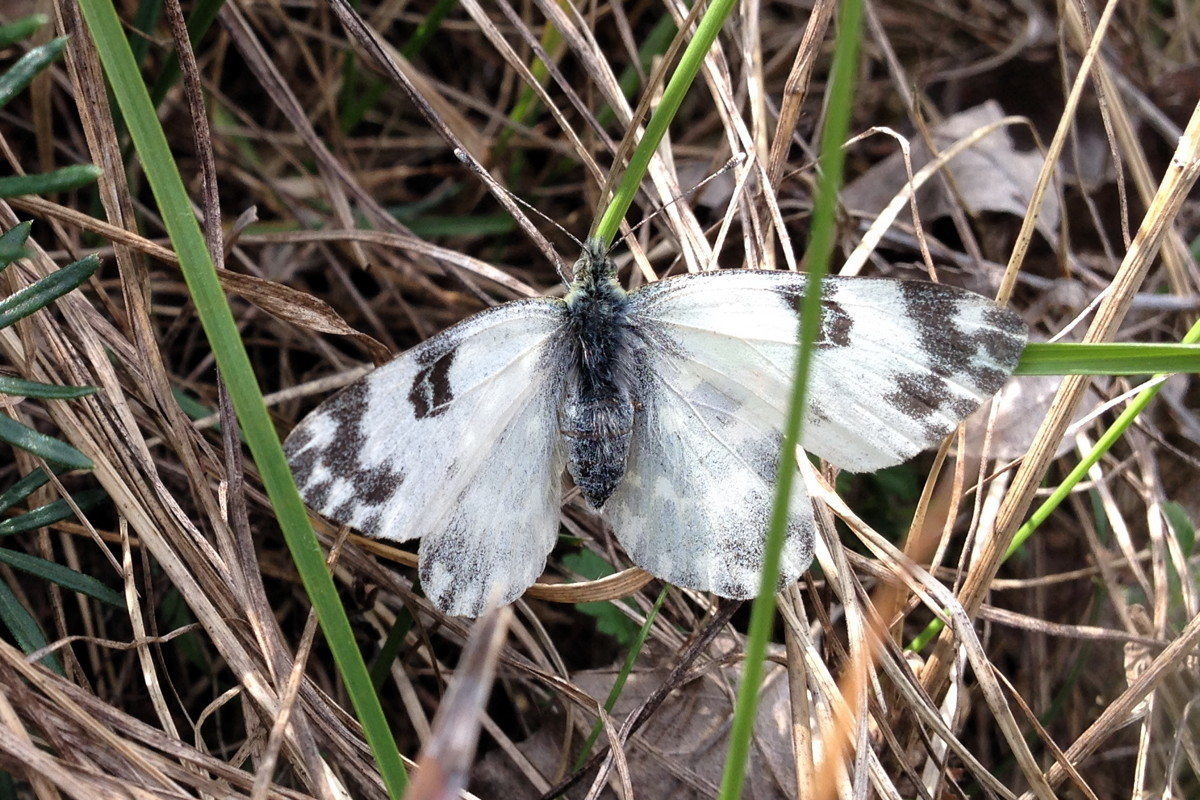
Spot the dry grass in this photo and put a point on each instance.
(1073, 669)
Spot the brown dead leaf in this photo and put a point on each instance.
(298, 308)
(680, 752)
(1021, 405)
(993, 175)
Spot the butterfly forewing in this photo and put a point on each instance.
(455, 441)
(896, 366)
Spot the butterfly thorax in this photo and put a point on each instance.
(596, 417)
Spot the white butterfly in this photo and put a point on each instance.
(665, 404)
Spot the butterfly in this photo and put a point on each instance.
(666, 405)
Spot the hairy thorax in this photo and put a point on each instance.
(596, 417)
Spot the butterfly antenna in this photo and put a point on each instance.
(734, 161)
(496, 186)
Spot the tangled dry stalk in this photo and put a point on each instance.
(324, 155)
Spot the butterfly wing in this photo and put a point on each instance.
(456, 442)
(897, 366)
(695, 501)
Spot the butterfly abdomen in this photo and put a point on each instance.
(598, 434)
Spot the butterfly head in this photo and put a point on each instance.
(594, 271)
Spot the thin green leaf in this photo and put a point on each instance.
(27, 67)
(677, 87)
(1181, 526)
(382, 665)
(42, 391)
(428, 27)
(361, 92)
(432, 225)
(12, 244)
(610, 620)
(40, 444)
(528, 100)
(1041, 358)
(1064, 489)
(190, 405)
(47, 290)
(52, 512)
(144, 22)
(174, 613)
(9, 255)
(63, 576)
(614, 694)
(24, 627)
(655, 44)
(217, 320)
(20, 29)
(843, 77)
(23, 488)
(60, 180)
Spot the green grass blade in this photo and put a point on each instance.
(27, 68)
(23, 488)
(42, 391)
(63, 576)
(382, 665)
(204, 13)
(677, 87)
(144, 22)
(528, 100)
(362, 90)
(1063, 490)
(191, 406)
(12, 244)
(45, 291)
(230, 353)
(24, 627)
(20, 29)
(435, 225)
(618, 686)
(1106, 358)
(1185, 532)
(820, 247)
(60, 180)
(50, 513)
(40, 444)
(428, 27)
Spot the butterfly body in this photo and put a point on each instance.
(599, 402)
(666, 405)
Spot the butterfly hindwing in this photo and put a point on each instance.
(456, 442)
(695, 502)
(896, 366)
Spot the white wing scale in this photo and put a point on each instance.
(455, 441)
